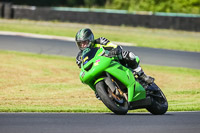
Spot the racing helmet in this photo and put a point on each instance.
(84, 38)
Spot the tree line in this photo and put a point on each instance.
(180, 6)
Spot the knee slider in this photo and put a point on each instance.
(130, 59)
(131, 56)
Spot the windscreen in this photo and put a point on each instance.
(88, 54)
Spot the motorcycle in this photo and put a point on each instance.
(117, 86)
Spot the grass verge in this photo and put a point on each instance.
(44, 83)
(143, 37)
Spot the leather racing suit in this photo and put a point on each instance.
(126, 58)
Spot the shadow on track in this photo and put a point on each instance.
(138, 114)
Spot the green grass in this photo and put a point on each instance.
(44, 83)
(144, 37)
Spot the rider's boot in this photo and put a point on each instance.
(141, 75)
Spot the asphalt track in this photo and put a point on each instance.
(171, 122)
(68, 48)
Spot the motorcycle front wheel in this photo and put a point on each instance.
(116, 104)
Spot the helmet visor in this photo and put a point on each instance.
(82, 44)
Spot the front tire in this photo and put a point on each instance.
(104, 93)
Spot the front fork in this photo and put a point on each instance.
(114, 87)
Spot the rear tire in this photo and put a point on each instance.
(117, 108)
(159, 105)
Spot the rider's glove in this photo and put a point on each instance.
(114, 52)
(79, 60)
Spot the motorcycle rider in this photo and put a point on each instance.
(85, 38)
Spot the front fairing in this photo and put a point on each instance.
(94, 69)
(93, 64)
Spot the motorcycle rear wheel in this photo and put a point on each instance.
(159, 105)
(110, 102)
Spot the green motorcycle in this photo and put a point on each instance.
(117, 86)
